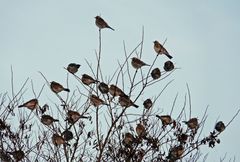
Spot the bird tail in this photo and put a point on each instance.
(158, 116)
(66, 89)
(169, 56)
(110, 28)
(84, 117)
(185, 122)
(20, 106)
(56, 120)
(134, 105)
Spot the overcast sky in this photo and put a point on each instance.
(202, 36)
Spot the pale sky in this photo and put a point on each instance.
(202, 36)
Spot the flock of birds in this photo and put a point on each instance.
(123, 99)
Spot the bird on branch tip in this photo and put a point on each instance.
(101, 24)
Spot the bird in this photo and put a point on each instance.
(168, 66)
(141, 131)
(182, 138)
(67, 135)
(48, 120)
(18, 155)
(220, 126)
(166, 119)
(58, 140)
(115, 91)
(96, 101)
(192, 123)
(137, 63)
(159, 49)
(125, 101)
(56, 87)
(101, 24)
(176, 152)
(31, 104)
(74, 116)
(156, 73)
(128, 139)
(147, 104)
(103, 88)
(3, 125)
(87, 80)
(73, 68)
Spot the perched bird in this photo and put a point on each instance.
(74, 116)
(137, 63)
(159, 49)
(56, 87)
(192, 123)
(73, 68)
(87, 80)
(67, 135)
(18, 155)
(125, 101)
(103, 88)
(96, 101)
(31, 104)
(3, 125)
(115, 91)
(147, 103)
(220, 126)
(48, 120)
(58, 140)
(182, 138)
(176, 152)
(141, 131)
(101, 23)
(166, 119)
(128, 139)
(156, 73)
(168, 66)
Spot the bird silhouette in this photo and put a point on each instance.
(73, 68)
(137, 63)
(168, 66)
(156, 73)
(31, 104)
(48, 120)
(115, 91)
(67, 135)
(159, 49)
(220, 126)
(147, 104)
(103, 88)
(141, 131)
(58, 140)
(165, 119)
(56, 87)
(175, 153)
(128, 139)
(74, 116)
(192, 123)
(125, 101)
(87, 79)
(96, 101)
(101, 24)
